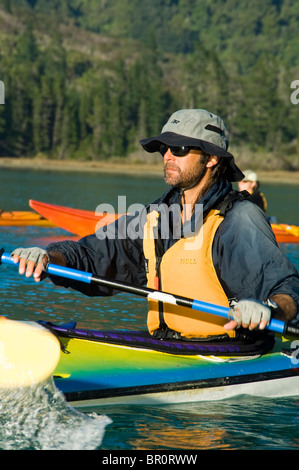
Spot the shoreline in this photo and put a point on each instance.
(77, 165)
(127, 167)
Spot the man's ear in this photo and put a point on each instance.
(213, 160)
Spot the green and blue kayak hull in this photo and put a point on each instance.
(95, 371)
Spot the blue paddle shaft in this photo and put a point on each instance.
(55, 270)
(69, 273)
(276, 326)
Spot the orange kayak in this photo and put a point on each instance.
(77, 221)
(21, 218)
(83, 222)
(285, 233)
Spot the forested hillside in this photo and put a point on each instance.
(88, 78)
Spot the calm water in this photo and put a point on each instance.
(45, 420)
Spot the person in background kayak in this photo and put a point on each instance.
(221, 249)
(251, 184)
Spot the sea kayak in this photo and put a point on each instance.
(24, 218)
(125, 367)
(77, 221)
(82, 222)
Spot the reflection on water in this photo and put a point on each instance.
(241, 423)
(179, 437)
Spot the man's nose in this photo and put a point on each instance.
(168, 155)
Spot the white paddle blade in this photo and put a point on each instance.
(29, 353)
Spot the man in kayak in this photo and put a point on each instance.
(221, 248)
(251, 184)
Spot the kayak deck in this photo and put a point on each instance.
(95, 373)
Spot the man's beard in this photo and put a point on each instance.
(187, 179)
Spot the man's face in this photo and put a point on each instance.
(183, 171)
(247, 186)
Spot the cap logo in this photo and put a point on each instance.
(175, 121)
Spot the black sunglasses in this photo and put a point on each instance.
(177, 151)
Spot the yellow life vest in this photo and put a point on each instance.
(186, 269)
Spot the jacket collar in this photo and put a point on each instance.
(210, 201)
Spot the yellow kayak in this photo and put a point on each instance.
(22, 218)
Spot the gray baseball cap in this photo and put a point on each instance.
(196, 128)
(250, 175)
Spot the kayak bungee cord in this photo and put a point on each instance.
(277, 326)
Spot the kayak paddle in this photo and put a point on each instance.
(29, 353)
(276, 326)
